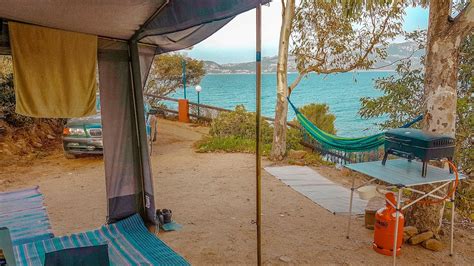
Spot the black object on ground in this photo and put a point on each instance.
(164, 216)
(93, 255)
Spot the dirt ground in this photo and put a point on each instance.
(213, 197)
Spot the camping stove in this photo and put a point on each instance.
(413, 143)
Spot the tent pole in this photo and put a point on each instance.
(258, 131)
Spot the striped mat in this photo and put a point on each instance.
(24, 214)
(129, 243)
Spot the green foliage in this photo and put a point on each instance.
(7, 95)
(166, 73)
(235, 132)
(230, 144)
(401, 99)
(320, 116)
(240, 124)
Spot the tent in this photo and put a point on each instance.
(131, 33)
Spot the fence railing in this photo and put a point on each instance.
(201, 111)
(207, 113)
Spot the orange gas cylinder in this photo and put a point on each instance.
(384, 233)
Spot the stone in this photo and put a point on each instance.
(37, 145)
(297, 162)
(406, 237)
(417, 239)
(410, 230)
(297, 154)
(285, 259)
(433, 244)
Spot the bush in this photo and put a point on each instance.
(7, 103)
(235, 131)
(320, 116)
(240, 124)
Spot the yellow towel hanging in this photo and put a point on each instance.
(54, 71)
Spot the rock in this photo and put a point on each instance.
(417, 239)
(433, 244)
(50, 137)
(406, 237)
(37, 145)
(410, 230)
(297, 154)
(297, 162)
(285, 259)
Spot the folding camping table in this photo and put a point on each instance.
(403, 175)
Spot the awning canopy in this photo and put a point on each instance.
(168, 24)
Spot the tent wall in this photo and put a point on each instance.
(125, 181)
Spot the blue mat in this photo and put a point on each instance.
(24, 214)
(129, 243)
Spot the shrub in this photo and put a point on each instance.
(240, 124)
(235, 131)
(319, 115)
(7, 103)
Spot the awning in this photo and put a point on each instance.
(169, 25)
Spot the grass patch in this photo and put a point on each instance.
(229, 144)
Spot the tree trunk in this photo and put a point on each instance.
(281, 109)
(441, 69)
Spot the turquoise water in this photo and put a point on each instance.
(340, 91)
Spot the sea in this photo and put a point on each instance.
(341, 92)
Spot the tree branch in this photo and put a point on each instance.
(463, 23)
(296, 81)
(396, 61)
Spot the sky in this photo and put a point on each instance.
(235, 42)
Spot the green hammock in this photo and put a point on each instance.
(341, 143)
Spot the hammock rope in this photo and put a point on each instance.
(343, 143)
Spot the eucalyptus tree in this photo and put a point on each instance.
(326, 40)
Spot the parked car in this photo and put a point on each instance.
(84, 135)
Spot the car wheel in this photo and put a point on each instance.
(69, 155)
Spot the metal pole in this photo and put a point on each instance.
(183, 63)
(453, 209)
(198, 103)
(350, 207)
(258, 72)
(397, 216)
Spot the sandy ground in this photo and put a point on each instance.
(213, 197)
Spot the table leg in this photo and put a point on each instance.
(397, 215)
(350, 208)
(453, 210)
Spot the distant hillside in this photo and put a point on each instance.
(395, 52)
